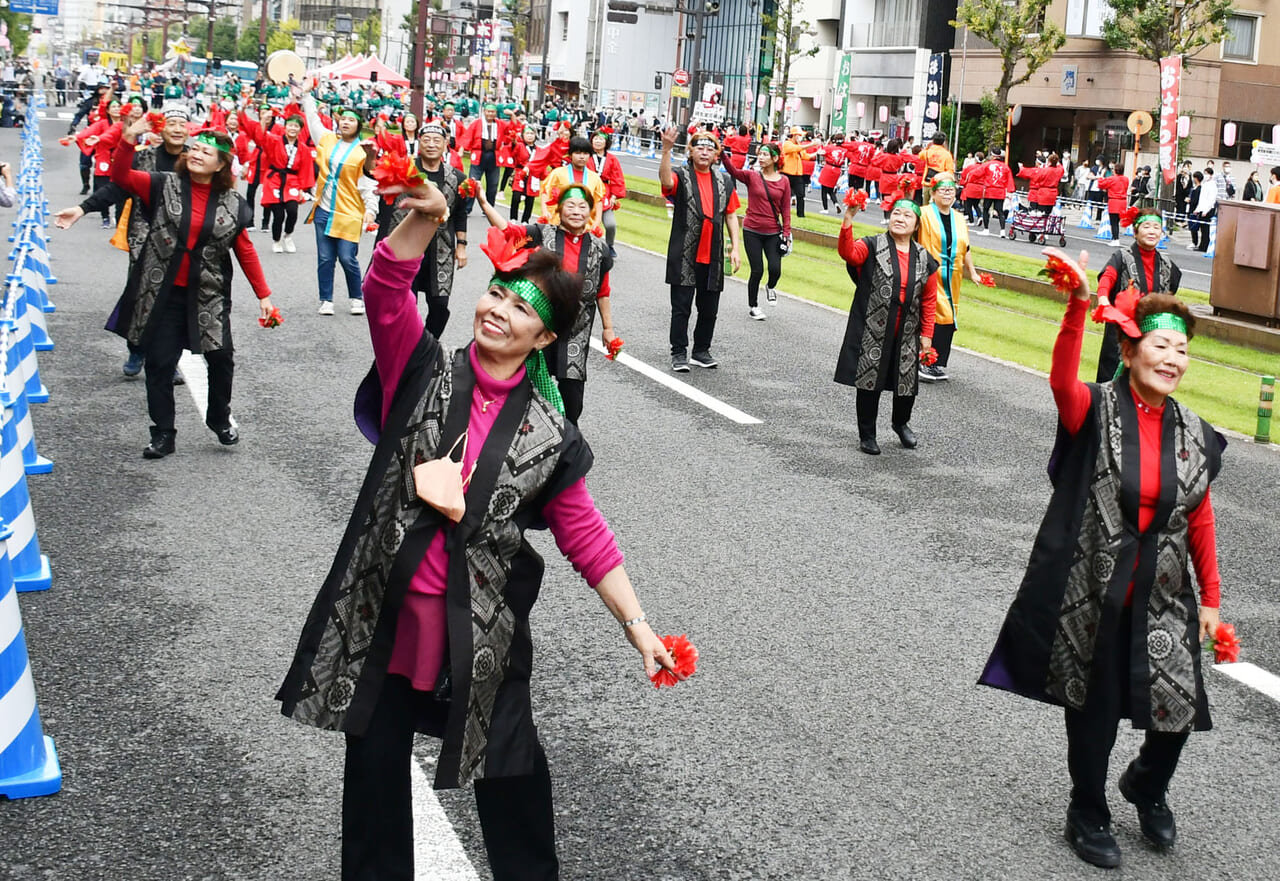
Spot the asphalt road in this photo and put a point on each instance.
(843, 607)
(1196, 267)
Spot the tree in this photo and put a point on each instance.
(517, 12)
(1019, 32)
(1156, 29)
(281, 37)
(19, 31)
(224, 38)
(367, 35)
(784, 31)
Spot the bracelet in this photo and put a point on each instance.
(632, 622)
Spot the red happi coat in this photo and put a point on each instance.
(282, 179)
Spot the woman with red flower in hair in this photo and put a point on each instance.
(436, 565)
(286, 173)
(582, 250)
(1106, 622)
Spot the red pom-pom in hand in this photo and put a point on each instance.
(856, 199)
(615, 346)
(1060, 274)
(396, 170)
(157, 122)
(1225, 644)
(685, 656)
(986, 280)
(468, 189)
(929, 357)
(275, 319)
(1121, 312)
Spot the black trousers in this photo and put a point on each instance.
(799, 184)
(1109, 354)
(1115, 227)
(516, 814)
(1201, 223)
(829, 193)
(683, 299)
(943, 334)
(437, 313)
(161, 353)
(987, 205)
(487, 168)
(973, 209)
(868, 409)
(1091, 735)
(249, 195)
(572, 391)
(855, 182)
(103, 180)
(284, 217)
(506, 177)
(761, 247)
(516, 199)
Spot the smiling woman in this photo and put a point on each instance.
(423, 621)
(1106, 622)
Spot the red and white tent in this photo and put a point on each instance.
(364, 69)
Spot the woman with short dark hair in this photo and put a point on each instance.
(179, 291)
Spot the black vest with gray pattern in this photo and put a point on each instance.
(577, 342)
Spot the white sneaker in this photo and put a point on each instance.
(1003, 235)
(770, 295)
(277, 248)
(326, 307)
(985, 232)
(357, 307)
(289, 247)
(756, 312)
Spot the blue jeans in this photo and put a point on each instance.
(332, 249)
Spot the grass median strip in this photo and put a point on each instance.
(1222, 385)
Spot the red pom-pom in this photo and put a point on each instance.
(856, 199)
(598, 233)
(929, 357)
(1225, 644)
(1129, 215)
(157, 122)
(275, 319)
(986, 280)
(615, 346)
(468, 189)
(1060, 274)
(396, 170)
(1121, 312)
(685, 657)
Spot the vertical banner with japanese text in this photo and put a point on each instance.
(840, 96)
(1170, 82)
(932, 98)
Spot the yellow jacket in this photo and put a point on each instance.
(938, 158)
(793, 156)
(561, 178)
(931, 238)
(346, 221)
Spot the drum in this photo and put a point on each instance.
(283, 67)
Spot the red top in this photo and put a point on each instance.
(572, 253)
(735, 149)
(888, 168)
(1107, 280)
(972, 181)
(707, 197)
(860, 157)
(274, 149)
(833, 156)
(1117, 189)
(1043, 189)
(610, 171)
(996, 177)
(108, 134)
(138, 183)
(1074, 400)
(855, 253)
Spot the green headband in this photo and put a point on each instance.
(348, 111)
(575, 188)
(772, 150)
(267, 107)
(210, 140)
(1163, 321)
(910, 204)
(1143, 218)
(536, 364)
(944, 184)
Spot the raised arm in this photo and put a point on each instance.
(1069, 393)
(123, 174)
(494, 217)
(665, 175)
(315, 127)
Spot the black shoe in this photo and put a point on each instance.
(84, 191)
(869, 446)
(906, 435)
(1154, 817)
(679, 363)
(162, 444)
(1093, 843)
(704, 359)
(177, 378)
(228, 436)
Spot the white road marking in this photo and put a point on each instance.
(1253, 676)
(437, 853)
(196, 374)
(696, 395)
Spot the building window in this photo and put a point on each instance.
(1242, 39)
(1246, 134)
(896, 23)
(564, 27)
(1086, 17)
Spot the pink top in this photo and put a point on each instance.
(579, 529)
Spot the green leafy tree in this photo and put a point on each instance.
(1024, 39)
(517, 12)
(19, 31)
(786, 31)
(281, 36)
(367, 35)
(224, 38)
(1156, 29)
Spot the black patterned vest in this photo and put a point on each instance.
(1167, 275)
(686, 228)
(570, 358)
(439, 255)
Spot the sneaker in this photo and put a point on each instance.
(756, 312)
(357, 307)
(925, 372)
(1003, 235)
(106, 223)
(133, 365)
(679, 364)
(1092, 842)
(939, 372)
(277, 248)
(985, 232)
(704, 359)
(326, 307)
(770, 295)
(289, 247)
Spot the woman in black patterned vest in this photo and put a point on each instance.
(179, 290)
(423, 622)
(1106, 622)
(891, 320)
(588, 256)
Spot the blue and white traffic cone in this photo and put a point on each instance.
(14, 394)
(28, 760)
(32, 284)
(21, 342)
(30, 567)
(1104, 231)
(1213, 238)
(1085, 222)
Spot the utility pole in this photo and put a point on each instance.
(262, 39)
(208, 41)
(417, 103)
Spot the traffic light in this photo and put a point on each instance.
(622, 11)
(713, 7)
(657, 82)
